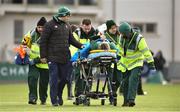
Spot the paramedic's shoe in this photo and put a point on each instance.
(132, 104)
(125, 105)
(33, 102)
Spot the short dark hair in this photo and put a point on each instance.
(86, 21)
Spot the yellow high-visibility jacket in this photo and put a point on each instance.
(35, 53)
(133, 52)
(73, 49)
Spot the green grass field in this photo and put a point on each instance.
(13, 98)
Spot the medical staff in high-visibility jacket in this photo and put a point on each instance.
(84, 34)
(133, 51)
(37, 70)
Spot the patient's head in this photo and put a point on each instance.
(104, 46)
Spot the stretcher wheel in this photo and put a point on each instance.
(102, 101)
(87, 102)
(77, 102)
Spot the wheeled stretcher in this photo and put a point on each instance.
(103, 60)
